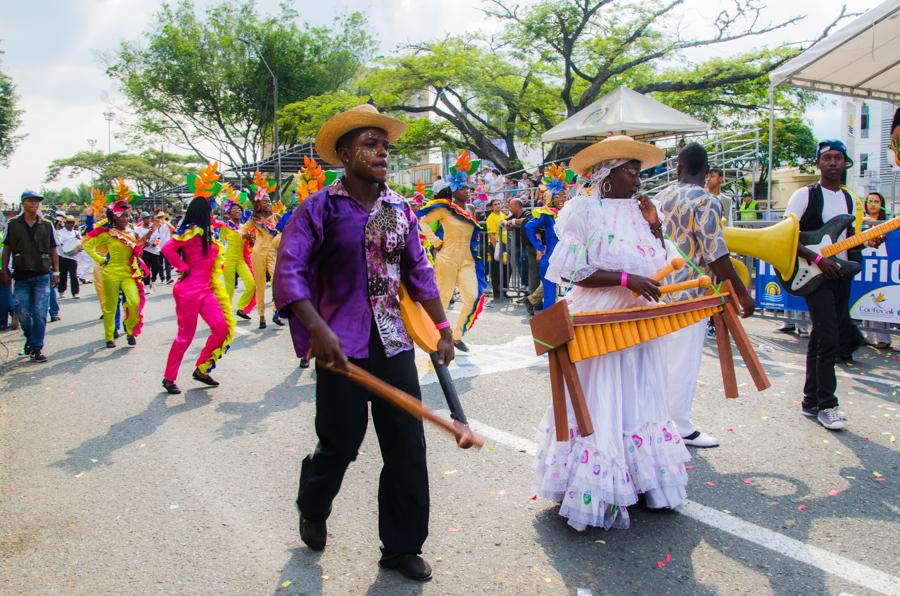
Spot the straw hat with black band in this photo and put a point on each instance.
(364, 116)
(615, 148)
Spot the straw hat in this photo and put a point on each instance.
(364, 116)
(617, 147)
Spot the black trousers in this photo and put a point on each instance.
(498, 278)
(68, 271)
(828, 311)
(342, 414)
(167, 267)
(154, 262)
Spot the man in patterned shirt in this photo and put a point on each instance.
(693, 221)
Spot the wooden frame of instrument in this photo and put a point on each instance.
(555, 328)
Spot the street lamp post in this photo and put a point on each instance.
(277, 148)
(108, 116)
(92, 143)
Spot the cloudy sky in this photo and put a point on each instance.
(51, 46)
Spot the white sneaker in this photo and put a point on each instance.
(831, 419)
(699, 439)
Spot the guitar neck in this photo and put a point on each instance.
(861, 238)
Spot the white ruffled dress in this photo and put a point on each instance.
(635, 447)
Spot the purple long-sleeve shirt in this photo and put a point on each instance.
(349, 263)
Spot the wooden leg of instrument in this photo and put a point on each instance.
(576, 395)
(726, 359)
(733, 322)
(558, 395)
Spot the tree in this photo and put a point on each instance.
(601, 44)
(794, 147)
(455, 94)
(10, 118)
(148, 172)
(193, 82)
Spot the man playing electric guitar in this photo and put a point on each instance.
(829, 303)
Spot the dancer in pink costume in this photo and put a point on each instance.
(199, 291)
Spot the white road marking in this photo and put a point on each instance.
(519, 353)
(867, 577)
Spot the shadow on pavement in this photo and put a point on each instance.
(287, 395)
(303, 572)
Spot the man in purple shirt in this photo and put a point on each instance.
(343, 255)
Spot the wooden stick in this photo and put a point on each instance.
(744, 346)
(726, 358)
(701, 282)
(576, 394)
(558, 396)
(674, 265)
(406, 402)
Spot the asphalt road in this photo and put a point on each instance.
(110, 486)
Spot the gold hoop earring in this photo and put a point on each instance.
(605, 188)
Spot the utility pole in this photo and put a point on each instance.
(108, 116)
(92, 143)
(276, 146)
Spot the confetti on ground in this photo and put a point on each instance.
(599, 541)
(79, 474)
(533, 498)
(689, 467)
(833, 493)
(548, 580)
(502, 493)
(286, 583)
(142, 445)
(450, 472)
(729, 429)
(661, 564)
(745, 480)
(877, 474)
(10, 489)
(801, 508)
(865, 438)
(453, 530)
(291, 450)
(173, 507)
(325, 577)
(710, 484)
(727, 511)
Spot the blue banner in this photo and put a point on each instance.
(874, 294)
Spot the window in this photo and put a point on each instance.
(863, 163)
(864, 121)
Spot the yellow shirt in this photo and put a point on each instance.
(119, 254)
(234, 250)
(493, 225)
(264, 241)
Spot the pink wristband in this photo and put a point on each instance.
(443, 325)
(624, 281)
(817, 259)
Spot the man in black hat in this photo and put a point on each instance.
(829, 304)
(31, 243)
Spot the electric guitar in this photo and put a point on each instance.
(807, 275)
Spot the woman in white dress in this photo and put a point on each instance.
(610, 242)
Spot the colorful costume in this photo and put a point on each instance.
(544, 219)
(457, 264)
(635, 447)
(238, 255)
(202, 293)
(265, 245)
(123, 269)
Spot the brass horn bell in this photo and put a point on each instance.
(776, 245)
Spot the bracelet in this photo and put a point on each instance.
(624, 281)
(443, 325)
(817, 259)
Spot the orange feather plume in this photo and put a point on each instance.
(420, 187)
(98, 202)
(206, 180)
(123, 193)
(260, 181)
(310, 178)
(464, 162)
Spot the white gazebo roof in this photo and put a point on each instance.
(623, 111)
(860, 60)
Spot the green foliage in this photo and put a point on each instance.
(794, 146)
(146, 172)
(10, 119)
(194, 82)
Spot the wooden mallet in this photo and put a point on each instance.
(673, 265)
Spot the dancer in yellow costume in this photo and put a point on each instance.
(122, 266)
(457, 264)
(238, 256)
(261, 226)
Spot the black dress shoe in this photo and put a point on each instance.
(262, 323)
(529, 307)
(131, 340)
(242, 315)
(459, 345)
(313, 533)
(278, 321)
(110, 344)
(116, 334)
(411, 566)
(205, 379)
(304, 363)
(171, 387)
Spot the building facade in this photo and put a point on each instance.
(866, 128)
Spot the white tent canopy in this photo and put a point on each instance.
(860, 60)
(623, 112)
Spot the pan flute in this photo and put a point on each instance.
(570, 338)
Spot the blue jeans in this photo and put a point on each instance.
(7, 305)
(54, 302)
(33, 298)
